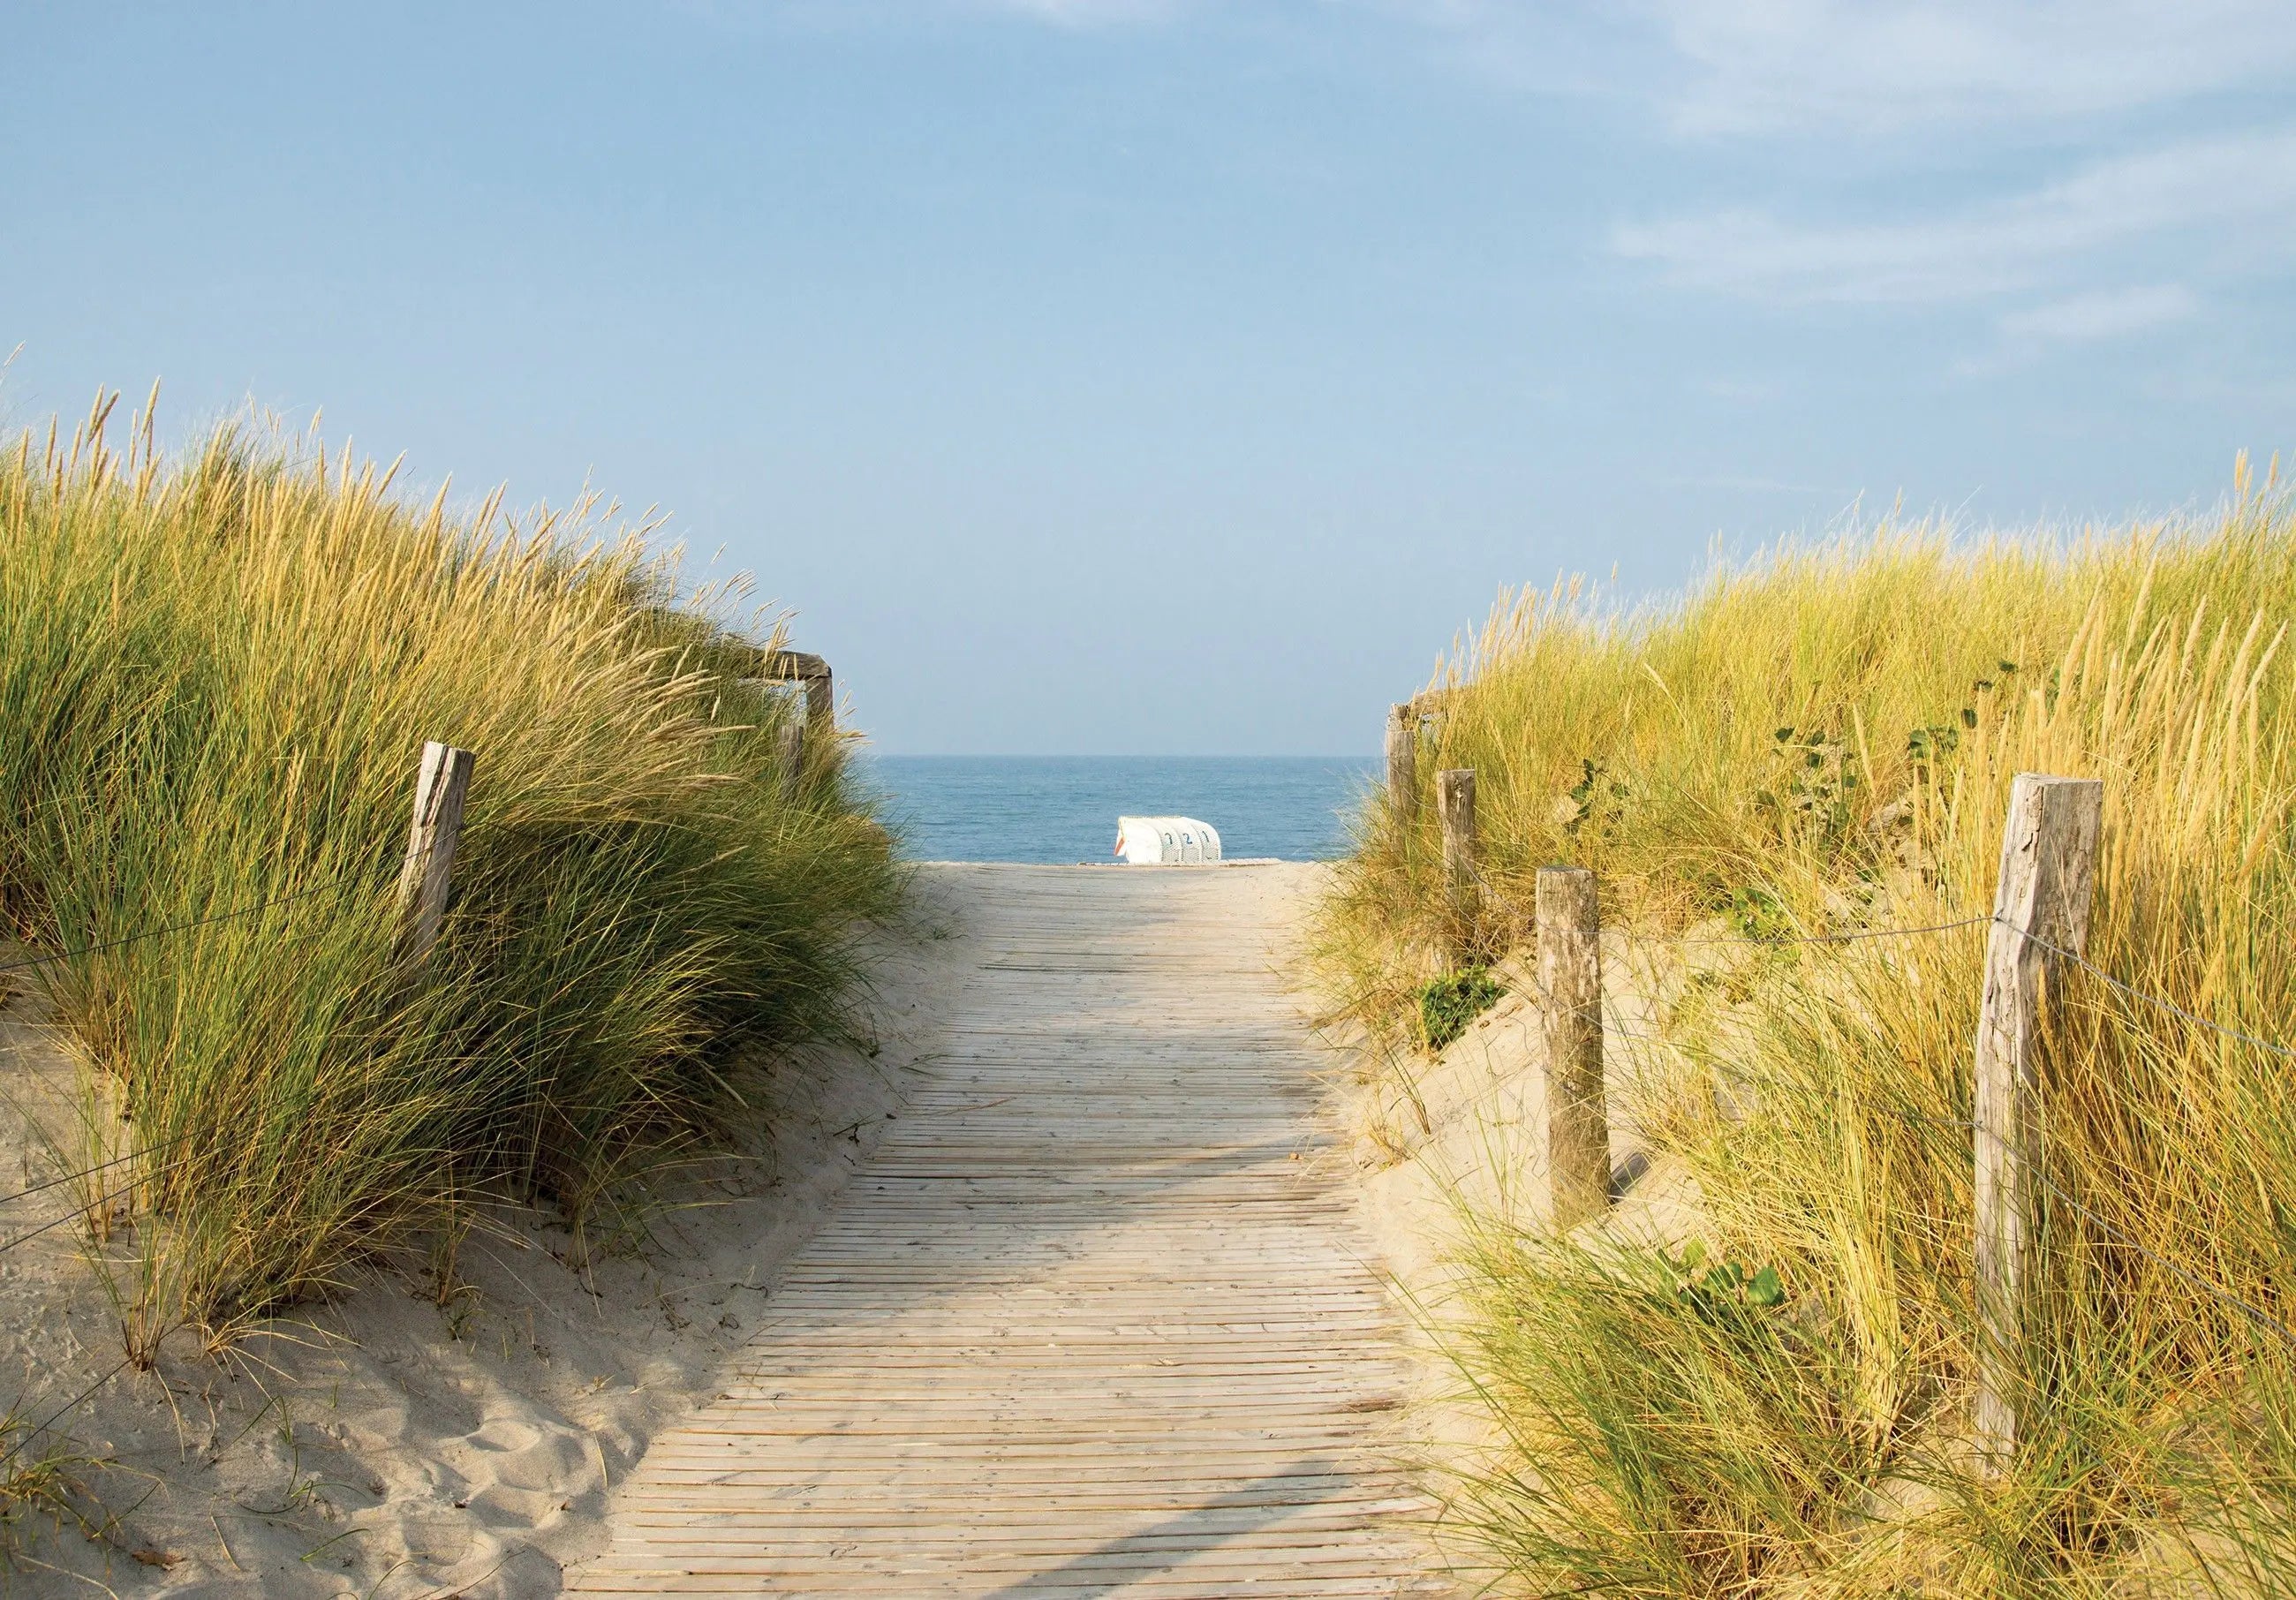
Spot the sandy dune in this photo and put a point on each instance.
(390, 1446)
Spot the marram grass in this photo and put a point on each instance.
(216, 674)
(1822, 740)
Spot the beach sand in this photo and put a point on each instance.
(386, 1444)
(1462, 1134)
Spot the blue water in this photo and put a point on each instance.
(1063, 808)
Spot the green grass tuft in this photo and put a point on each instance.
(216, 677)
(42, 1482)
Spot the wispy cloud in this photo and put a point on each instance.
(2100, 314)
(2094, 318)
(1860, 91)
(1757, 65)
(2233, 199)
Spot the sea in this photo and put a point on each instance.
(1062, 809)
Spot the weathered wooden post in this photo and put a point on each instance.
(1454, 795)
(811, 675)
(819, 683)
(1570, 1004)
(789, 742)
(2048, 869)
(1403, 763)
(440, 787)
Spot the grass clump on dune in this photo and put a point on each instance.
(216, 678)
(1822, 740)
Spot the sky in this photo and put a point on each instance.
(1180, 376)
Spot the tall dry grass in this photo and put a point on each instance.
(1822, 740)
(216, 677)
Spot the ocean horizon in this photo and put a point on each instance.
(1060, 810)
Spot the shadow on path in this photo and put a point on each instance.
(1166, 1544)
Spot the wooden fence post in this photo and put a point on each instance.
(812, 676)
(444, 779)
(1570, 1004)
(2049, 869)
(1454, 794)
(788, 740)
(1403, 763)
(820, 685)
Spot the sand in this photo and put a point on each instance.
(390, 1446)
(1462, 1134)
(1466, 1129)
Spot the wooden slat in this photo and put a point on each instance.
(1094, 1320)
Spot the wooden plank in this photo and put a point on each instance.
(1094, 1320)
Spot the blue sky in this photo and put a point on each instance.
(1159, 376)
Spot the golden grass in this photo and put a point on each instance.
(216, 678)
(1822, 740)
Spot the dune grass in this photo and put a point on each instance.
(1822, 740)
(216, 674)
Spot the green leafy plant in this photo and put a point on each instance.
(1758, 914)
(1450, 1004)
(1725, 1281)
(1597, 802)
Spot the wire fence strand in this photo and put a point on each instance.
(2256, 1313)
(81, 1398)
(174, 1164)
(1764, 941)
(70, 1177)
(340, 886)
(2118, 985)
(2168, 1005)
(73, 1215)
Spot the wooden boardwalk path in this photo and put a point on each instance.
(1094, 1320)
